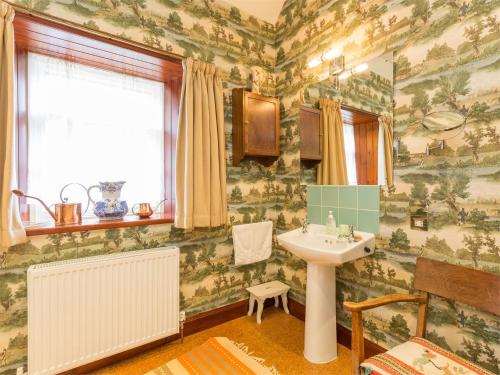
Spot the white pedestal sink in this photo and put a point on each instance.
(323, 253)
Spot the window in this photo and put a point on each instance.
(364, 147)
(381, 157)
(88, 125)
(92, 110)
(350, 154)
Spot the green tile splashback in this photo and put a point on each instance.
(348, 196)
(330, 194)
(358, 205)
(348, 216)
(314, 195)
(368, 198)
(314, 214)
(368, 221)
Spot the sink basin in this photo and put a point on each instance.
(323, 252)
(320, 248)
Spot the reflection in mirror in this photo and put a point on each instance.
(372, 89)
(366, 95)
(443, 126)
(362, 130)
(443, 121)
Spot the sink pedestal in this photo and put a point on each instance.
(323, 252)
(320, 342)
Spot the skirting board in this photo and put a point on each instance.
(213, 318)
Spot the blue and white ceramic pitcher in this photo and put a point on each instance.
(110, 207)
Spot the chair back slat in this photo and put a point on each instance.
(466, 285)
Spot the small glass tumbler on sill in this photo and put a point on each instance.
(346, 233)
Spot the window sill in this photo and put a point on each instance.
(95, 224)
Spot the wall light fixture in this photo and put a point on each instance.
(331, 54)
(349, 72)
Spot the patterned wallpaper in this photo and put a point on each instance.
(446, 55)
(446, 58)
(209, 31)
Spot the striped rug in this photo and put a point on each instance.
(217, 356)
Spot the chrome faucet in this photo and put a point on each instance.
(305, 225)
(350, 237)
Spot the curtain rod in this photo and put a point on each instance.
(102, 34)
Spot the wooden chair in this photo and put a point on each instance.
(466, 285)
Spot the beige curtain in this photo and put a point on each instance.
(386, 123)
(201, 157)
(332, 169)
(11, 228)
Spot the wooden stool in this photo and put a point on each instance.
(267, 290)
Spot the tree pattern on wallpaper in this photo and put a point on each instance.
(446, 56)
(209, 31)
(368, 91)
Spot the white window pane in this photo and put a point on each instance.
(88, 125)
(381, 156)
(350, 153)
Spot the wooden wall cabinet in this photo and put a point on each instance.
(256, 126)
(311, 134)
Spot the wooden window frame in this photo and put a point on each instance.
(366, 132)
(40, 35)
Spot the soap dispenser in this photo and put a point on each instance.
(331, 225)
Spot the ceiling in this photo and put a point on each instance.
(267, 10)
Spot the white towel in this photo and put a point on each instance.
(252, 242)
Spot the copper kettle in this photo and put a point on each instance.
(64, 213)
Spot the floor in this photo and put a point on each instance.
(279, 339)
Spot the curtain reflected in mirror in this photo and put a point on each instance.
(332, 169)
(386, 124)
(381, 156)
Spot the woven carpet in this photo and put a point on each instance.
(216, 356)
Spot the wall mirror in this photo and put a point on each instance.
(442, 126)
(366, 92)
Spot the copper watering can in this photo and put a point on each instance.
(144, 210)
(64, 213)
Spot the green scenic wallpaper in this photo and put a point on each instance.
(236, 42)
(446, 55)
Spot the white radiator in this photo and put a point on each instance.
(86, 309)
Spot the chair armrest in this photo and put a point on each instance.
(384, 300)
(357, 308)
